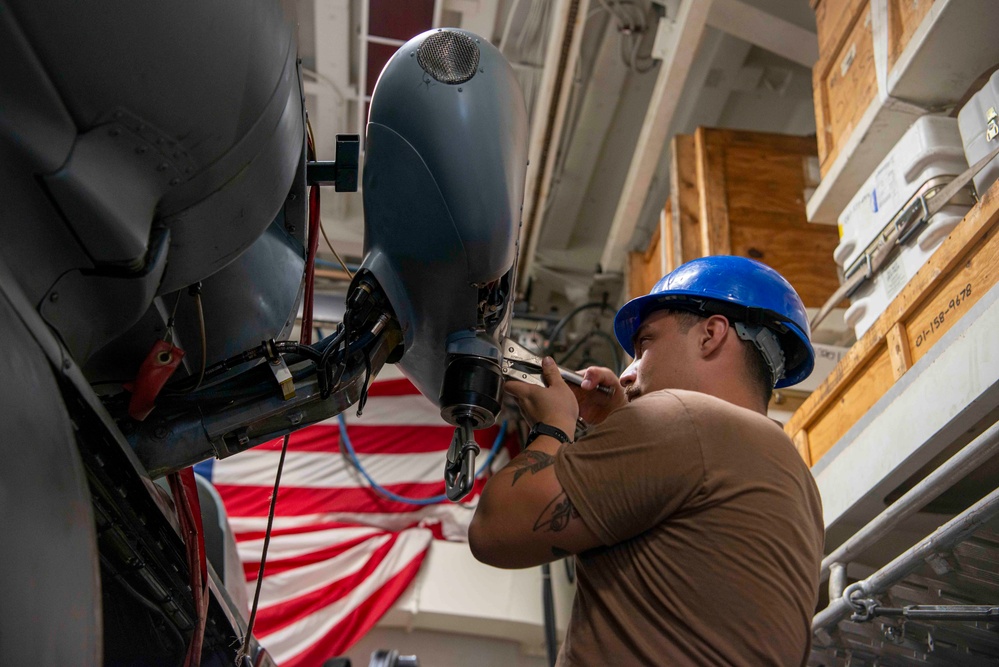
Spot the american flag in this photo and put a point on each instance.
(341, 552)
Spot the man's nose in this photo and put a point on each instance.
(630, 374)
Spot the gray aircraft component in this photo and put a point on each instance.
(168, 125)
(273, 265)
(225, 422)
(51, 593)
(88, 309)
(443, 184)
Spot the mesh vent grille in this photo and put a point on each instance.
(449, 57)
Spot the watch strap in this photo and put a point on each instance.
(542, 428)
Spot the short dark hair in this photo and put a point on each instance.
(757, 369)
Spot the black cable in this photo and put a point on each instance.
(334, 340)
(614, 347)
(300, 349)
(219, 368)
(553, 338)
(173, 313)
(367, 383)
(244, 649)
(257, 352)
(548, 602)
(590, 334)
(195, 291)
(228, 393)
(327, 383)
(573, 348)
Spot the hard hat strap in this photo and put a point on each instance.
(766, 342)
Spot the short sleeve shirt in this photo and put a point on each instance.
(712, 532)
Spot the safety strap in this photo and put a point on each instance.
(925, 208)
(768, 346)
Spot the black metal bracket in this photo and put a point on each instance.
(340, 173)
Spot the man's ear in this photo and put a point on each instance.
(713, 332)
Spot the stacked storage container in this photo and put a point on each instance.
(928, 155)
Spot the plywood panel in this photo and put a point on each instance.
(960, 271)
(953, 297)
(846, 86)
(645, 267)
(800, 252)
(712, 194)
(685, 202)
(749, 189)
(761, 179)
(904, 17)
(851, 404)
(765, 185)
(833, 19)
(668, 238)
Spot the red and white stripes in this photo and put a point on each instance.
(340, 553)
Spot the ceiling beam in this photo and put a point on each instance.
(766, 31)
(685, 35)
(600, 101)
(561, 55)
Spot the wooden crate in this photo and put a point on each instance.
(742, 193)
(683, 230)
(954, 278)
(646, 267)
(904, 18)
(832, 21)
(844, 82)
(882, 64)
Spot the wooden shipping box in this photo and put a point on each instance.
(882, 64)
(845, 80)
(956, 276)
(646, 267)
(742, 193)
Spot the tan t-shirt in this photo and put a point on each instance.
(713, 532)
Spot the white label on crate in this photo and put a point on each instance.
(844, 65)
(829, 353)
(894, 278)
(885, 187)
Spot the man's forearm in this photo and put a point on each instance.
(522, 511)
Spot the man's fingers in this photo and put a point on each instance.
(516, 388)
(550, 372)
(594, 376)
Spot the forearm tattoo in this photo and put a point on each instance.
(530, 461)
(556, 515)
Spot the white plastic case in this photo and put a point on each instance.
(931, 148)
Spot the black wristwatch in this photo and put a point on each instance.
(542, 428)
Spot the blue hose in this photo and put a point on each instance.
(402, 499)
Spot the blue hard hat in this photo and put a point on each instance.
(741, 289)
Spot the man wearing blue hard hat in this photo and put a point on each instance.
(697, 529)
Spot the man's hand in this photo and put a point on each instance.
(594, 405)
(524, 517)
(553, 404)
